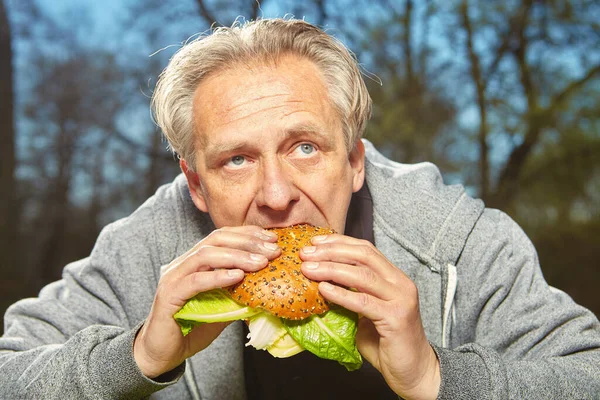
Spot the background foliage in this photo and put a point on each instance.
(503, 95)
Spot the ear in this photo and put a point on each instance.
(194, 185)
(357, 163)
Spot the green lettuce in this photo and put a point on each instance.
(213, 306)
(331, 335)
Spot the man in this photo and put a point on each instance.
(267, 119)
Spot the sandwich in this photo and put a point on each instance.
(284, 310)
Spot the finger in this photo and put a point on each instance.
(250, 239)
(227, 244)
(204, 281)
(357, 277)
(391, 316)
(219, 238)
(346, 250)
(361, 303)
(171, 295)
(208, 258)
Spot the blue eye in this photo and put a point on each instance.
(307, 148)
(237, 160)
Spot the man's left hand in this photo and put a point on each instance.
(390, 332)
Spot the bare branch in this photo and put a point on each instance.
(515, 26)
(206, 14)
(408, 57)
(8, 204)
(509, 177)
(140, 149)
(255, 9)
(425, 50)
(537, 120)
(520, 53)
(572, 88)
(480, 87)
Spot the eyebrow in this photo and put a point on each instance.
(307, 127)
(214, 151)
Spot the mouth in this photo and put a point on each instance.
(286, 224)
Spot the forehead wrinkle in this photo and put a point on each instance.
(249, 101)
(227, 122)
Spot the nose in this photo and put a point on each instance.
(277, 190)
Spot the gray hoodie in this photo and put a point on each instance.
(497, 327)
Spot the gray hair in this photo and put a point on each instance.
(260, 40)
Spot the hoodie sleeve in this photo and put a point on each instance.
(514, 336)
(75, 340)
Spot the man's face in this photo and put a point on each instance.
(270, 149)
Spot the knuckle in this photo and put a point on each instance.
(256, 245)
(215, 235)
(169, 270)
(201, 251)
(162, 290)
(412, 291)
(367, 277)
(407, 307)
(195, 279)
(364, 301)
(198, 282)
(398, 320)
(365, 243)
(367, 250)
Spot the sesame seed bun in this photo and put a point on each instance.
(280, 288)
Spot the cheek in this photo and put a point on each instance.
(228, 203)
(331, 192)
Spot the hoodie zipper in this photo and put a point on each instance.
(448, 310)
(191, 381)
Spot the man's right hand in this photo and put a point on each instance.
(218, 261)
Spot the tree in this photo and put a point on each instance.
(500, 95)
(534, 72)
(69, 109)
(9, 209)
(411, 114)
(517, 91)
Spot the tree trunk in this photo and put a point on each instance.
(206, 14)
(407, 38)
(52, 250)
(153, 175)
(477, 77)
(509, 177)
(8, 205)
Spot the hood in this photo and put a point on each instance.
(435, 219)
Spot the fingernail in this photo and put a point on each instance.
(270, 246)
(319, 239)
(257, 257)
(235, 273)
(310, 265)
(309, 249)
(267, 235)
